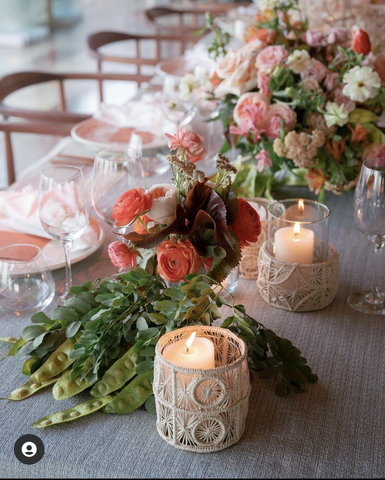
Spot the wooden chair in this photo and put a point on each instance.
(100, 39)
(43, 122)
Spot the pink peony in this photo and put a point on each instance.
(329, 80)
(264, 84)
(314, 38)
(270, 58)
(275, 114)
(316, 70)
(121, 256)
(188, 142)
(250, 109)
(338, 35)
(263, 160)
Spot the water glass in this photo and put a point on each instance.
(26, 283)
(153, 152)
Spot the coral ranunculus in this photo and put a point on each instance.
(176, 259)
(130, 205)
(189, 142)
(121, 256)
(139, 228)
(361, 42)
(247, 226)
(254, 115)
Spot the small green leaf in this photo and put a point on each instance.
(32, 331)
(73, 329)
(150, 405)
(78, 304)
(147, 352)
(147, 334)
(158, 318)
(39, 340)
(40, 317)
(144, 367)
(141, 324)
(64, 313)
(174, 293)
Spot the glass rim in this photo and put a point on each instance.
(57, 167)
(117, 149)
(13, 245)
(376, 168)
(305, 200)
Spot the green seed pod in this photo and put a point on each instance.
(118, 374)
(56, 363)
(10, 340)
(31, 365)
(73, 413)
(133, 395)
(67, 388)
(30, 388)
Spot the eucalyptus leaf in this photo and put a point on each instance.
(141, 324)
(144, 367)
(73, 329)
(31, 332)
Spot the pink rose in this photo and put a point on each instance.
(188, 142)
(338, 35)
(264, 84)
(314, 38)
(229, 63)
(254, 46)
(242, 79)
(329, 80)
(270, 58)
(315, 70)
(342, 99)
(250, 109)
(275, 114)
(121, 256)
(263, 160)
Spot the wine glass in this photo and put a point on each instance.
(369, 215)
(152, 149)
(115, 172)
(64, 209)
(177, 110)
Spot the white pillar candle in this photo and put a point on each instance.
(295, 245)
(200, 354)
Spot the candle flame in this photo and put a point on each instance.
(190, 341)
(301, 206)
(297, 229)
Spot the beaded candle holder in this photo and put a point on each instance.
(298, 268)
(202, 410)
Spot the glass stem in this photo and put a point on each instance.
(210, 138)
(67, 254)
(374, 296)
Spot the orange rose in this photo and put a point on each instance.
(247, 226)
(131, 204)
(176, 259)
(361, 42)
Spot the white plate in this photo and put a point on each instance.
(176, 67)
(53, 250)
(99, 134)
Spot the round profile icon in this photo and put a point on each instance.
(29, 449)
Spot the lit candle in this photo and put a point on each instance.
(295, 245)
(193, 353)
(301, 212)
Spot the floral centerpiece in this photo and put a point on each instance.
(302, 105)
(187, 225)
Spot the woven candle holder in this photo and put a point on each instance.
(298, 287)
(248, 268)
(202, 410)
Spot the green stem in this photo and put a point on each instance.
(143, 224)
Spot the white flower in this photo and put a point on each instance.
(187, 84)
(163, 203)
(336, 114)
(362, 83)
(270, 4)
(299, 61)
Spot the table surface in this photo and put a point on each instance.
(335, 430)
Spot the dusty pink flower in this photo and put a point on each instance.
(121, 256)
(270, 58)
(315, 70)
(263, 160)
(342, 99)
(188, 142)
(314, 38)
(273, 119)
(250, 109)
(329, 80)
(338, 35)
(264, 84)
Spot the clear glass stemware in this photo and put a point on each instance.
(176, 109)
(64, 209)
(369, 215)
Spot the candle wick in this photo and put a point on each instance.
(187, 349)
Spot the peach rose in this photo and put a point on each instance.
(242, 79)
(130, 205)
(188, 142)
(252, 47)
(270, 58)
(229, 63)
(176, 259)
(121, 256)
(250, 108)
(315, 70)
(164, 200)
(247, 226)
(274, 115)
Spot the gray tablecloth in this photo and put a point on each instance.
(335, 430)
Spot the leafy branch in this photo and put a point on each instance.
(221, 39)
